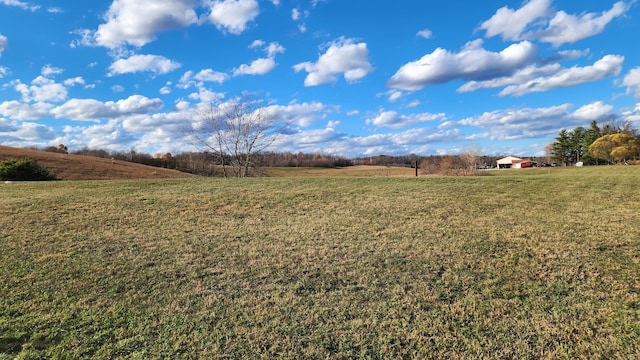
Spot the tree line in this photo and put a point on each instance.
(207, 163)
(596, 145)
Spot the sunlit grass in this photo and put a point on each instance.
(540, 263)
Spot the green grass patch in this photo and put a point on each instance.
(518, 264)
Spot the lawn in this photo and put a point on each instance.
(535, 263)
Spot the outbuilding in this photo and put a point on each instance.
(507, 162)
(526, 163)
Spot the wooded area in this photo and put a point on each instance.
(596, 145)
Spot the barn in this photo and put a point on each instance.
(524, 164)
(507, 162)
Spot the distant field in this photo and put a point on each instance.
(361, 170)
(540, 263)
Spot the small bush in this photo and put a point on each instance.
(25, 169)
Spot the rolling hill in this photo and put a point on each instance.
(79, 167)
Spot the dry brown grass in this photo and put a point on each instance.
(539, 264)
(78, 167)
(359, 171)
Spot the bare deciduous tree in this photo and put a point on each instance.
(235, 131)
(470, 157)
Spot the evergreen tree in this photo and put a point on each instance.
(25, 169)
(561, 148)
(576, 137)
(590, 135)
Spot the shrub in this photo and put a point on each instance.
(25, 169)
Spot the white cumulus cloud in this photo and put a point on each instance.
(4, 43)
(190, 79)
(632, 82)
(471, 63)
(22, 111)
(137, 22)
(595, 110)
(510, 23)
(166, 89)
(425, 34)
(233, 15)
(74, 81)
(91, 109)
(521, 123)
(396, 120)
(632, 115)
(609, 65)
(257, 67)
(256, 44)
(274, 48)
(42, 89)
(27, 133)
(302, 114)
(300, 16)
(566, 28)
(343, 56)
(520, 76)
(537, 20)
(141, 63)
(261, 66)
(295, 14)
(21, 4)
(49, 70)
(208, 75)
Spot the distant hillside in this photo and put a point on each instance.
(78, 167)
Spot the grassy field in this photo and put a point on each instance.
(518, 264)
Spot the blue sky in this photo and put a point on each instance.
(353, 78)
